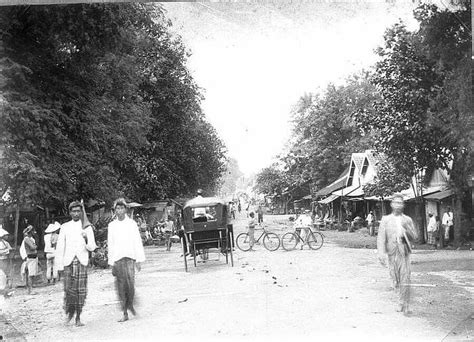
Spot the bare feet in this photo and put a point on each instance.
(132, 310)
(124, 318)
(79, 323)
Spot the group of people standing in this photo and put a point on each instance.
(440, 231)
(67, 249)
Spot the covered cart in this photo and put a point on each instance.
(206, 227)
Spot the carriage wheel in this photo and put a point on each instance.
(315, 240)
(271, 241)
(289, 241)
(243, 242)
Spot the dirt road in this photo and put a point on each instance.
(334, 292)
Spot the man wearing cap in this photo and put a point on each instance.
(72, 256)
(31, 256)
(396, 233)
(126, 252)
(50, 241)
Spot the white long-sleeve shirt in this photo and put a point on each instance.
(303, 221)
(432, 226)
(71, 244)
(123, 240)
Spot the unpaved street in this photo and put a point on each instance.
(335, 291)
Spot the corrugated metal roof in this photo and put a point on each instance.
(336, 185)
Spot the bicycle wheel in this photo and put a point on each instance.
(315, 240)
(243, 242)
(289, 241)
(271, 241)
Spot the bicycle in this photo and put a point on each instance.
(315, 240)
(271, 241)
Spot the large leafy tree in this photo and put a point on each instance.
(271, 181)
(424, 119)
(96, 102)
(325, 134)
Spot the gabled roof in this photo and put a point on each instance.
(358, 159)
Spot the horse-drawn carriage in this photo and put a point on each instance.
(205, 227)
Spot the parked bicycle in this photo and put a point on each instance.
(271, 241)
(314, 240)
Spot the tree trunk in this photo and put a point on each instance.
(17, 221)
(458, 224)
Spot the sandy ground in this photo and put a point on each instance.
(334, 292)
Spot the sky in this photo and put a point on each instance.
(254, 60)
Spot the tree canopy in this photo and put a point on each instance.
(325, 134)
(97, 101)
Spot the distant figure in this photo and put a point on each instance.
(370, 223)
(232, 210)
(260, 214)
(31, 257)
(448, 224)
(251, 229)
(50, 241)
(239, 207)
(432, 230)
(169, 230)
(302, 224)
(396, 233)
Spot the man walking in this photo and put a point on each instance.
(125, 253)
(72, 256)
(395, 236)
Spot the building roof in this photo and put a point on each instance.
(329, 199)
(339, 183)
(440, 195)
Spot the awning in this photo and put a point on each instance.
(440, 195)
(408, 194)
(359, 192)
(346, 191)
(328, 199)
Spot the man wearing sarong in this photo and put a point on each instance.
(395, 235)
(72, 256)
(31, 256)
(125, 253)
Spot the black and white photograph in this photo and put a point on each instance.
(260, 170)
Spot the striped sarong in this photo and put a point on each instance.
(124, 272)
(399, 267)
(432, 238)
(75, 286)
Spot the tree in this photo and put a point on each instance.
(324, 134)
(423, 119)
(97, 102)
(271, 180)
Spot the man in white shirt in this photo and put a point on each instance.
(302, 224)
(125, 253)
(72, 256)
(448, 223)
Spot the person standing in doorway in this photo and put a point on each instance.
(396, 234)
(72, 256)
(432, 230)
(370, 223)
(448, 224)
(125, 254)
